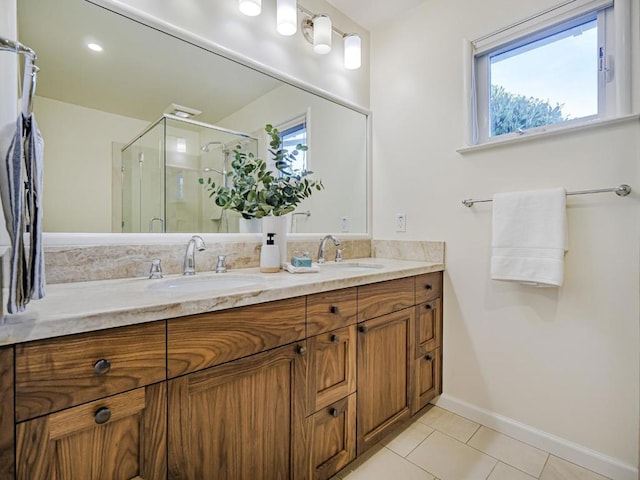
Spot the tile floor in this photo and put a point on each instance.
(440, 445)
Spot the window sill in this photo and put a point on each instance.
(526, 137)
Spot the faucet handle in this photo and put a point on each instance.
(156, 268)
(339, 254)
(221, 264)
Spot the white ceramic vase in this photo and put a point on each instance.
(277, 225)
(249, 225)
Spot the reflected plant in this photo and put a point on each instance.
(254, 190)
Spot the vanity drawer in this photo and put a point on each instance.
(378, 299)
(202, 341)
(428, 286)
(330, 310)
(63, 372)
(428, 326)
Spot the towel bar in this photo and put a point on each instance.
(621, 190)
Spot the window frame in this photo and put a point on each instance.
(614, 87)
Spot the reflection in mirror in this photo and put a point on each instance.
(91, 104)
(159, 177)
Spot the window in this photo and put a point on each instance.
(550, 71)
(291, 137)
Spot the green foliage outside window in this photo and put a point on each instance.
(510, 112)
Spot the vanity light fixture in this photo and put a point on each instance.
(250, 8)
(321, 25)
(287, 17)
(318, 30)
(352, 51)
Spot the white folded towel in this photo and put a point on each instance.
(530, 237)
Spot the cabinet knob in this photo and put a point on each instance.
(301, 350)
(335, 338)
(102, 415)
(102, 366)
(428, 357)
(333, 411)
(335, 310)
(363, 329)
(427, 306)
(428, 286)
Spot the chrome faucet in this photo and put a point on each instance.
(335, 241)
(196, 242)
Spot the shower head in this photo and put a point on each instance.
(205, 147)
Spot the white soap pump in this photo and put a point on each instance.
(270, 256)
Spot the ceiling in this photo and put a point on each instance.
(371, 13)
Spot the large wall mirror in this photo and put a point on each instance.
(92, 107)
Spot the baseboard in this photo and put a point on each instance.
(572, 452)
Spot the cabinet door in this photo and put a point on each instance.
(385, 376)
(334, 438)
(428, 326)
(332, 367)
(428, 378)
(241, 420)
(117, 438)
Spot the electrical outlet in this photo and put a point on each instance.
(344, 224)
(401, 222)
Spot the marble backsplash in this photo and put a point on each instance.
(87, 263)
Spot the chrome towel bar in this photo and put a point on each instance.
(621, 190)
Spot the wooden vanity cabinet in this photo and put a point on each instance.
(290, 389)
(116, 438)
(7, 432)
(428, 333)
(241, 420)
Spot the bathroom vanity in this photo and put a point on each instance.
(287, 380)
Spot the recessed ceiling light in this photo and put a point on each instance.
(95, 47)
(181, 111)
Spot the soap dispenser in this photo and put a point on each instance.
(270, 256)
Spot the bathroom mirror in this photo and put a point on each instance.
(90, 105)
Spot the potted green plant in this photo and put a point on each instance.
(254, 190)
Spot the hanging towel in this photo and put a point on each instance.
(13, 206)
(530, 237)
(34, 162)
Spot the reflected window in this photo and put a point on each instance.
(292, 136)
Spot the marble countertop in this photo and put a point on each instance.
(70, 308)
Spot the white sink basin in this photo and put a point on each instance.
(204, 283)
(350, 266)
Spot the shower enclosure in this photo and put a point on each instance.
(160, 172)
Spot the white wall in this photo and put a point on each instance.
(256, 38)
(77, 166)
(8, 80)
(563, 361)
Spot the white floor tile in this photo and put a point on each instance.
(404, 442)
(510, 451)
(449, 459)
(386, 465)
(558, 469)
(505, 472)
(449, 423)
